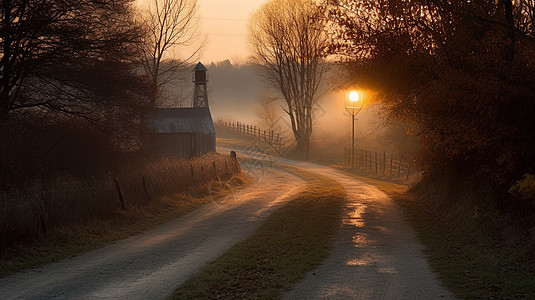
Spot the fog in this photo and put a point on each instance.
(234, 91)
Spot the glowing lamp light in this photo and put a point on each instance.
(353, 96)
(354, 99)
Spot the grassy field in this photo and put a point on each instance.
(293, 240)
(169, 194)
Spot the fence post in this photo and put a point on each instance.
(375, 163)
(119, 193)
(408, 169)
(145, 188)
(384, 162)
(358, 160)
(399, 167)
(391, 162)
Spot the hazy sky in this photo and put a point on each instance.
(224, 22)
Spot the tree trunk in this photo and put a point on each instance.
(6, 47)
(303, 147)
(510, 21)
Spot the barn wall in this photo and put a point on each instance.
(184, 145)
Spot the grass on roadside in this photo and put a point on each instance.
(477, 253)
(293, 240)
(71, 240)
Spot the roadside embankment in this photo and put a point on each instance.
(478, 251)
(65, 216)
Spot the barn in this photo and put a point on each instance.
(183, 132)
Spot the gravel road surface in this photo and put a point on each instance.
(376, 254)
(153, 264)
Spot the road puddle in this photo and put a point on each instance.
(365, 260)
(361, 240)
(354, 216)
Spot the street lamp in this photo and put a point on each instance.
(354, 103)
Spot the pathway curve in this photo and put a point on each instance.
(376, 255)
(153, 264)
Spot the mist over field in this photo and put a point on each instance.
(267, 149)
(235, 91)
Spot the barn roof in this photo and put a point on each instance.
(183, 120)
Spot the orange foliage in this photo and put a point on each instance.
(457, 71)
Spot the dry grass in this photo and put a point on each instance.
(67, 212)
(477, 252)
(287, 246)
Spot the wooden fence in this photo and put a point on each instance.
(268, 136)
(380, 163)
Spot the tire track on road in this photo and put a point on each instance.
(151, 265)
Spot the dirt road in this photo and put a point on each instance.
(376, 254)
(151, 265)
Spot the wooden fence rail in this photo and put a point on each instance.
(380, 163)
(266, 135)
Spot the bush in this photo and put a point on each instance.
(525, 188)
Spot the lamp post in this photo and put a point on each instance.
(354, 103)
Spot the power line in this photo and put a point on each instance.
(224, 34)
(219, 19)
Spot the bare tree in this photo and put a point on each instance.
(268, 110)
(170, 24)
(70, 58)
(288, 39)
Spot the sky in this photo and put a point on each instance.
(224, 22)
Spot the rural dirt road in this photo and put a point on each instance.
(153, 264)
(376, 254)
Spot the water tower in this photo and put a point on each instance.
(200, 78)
